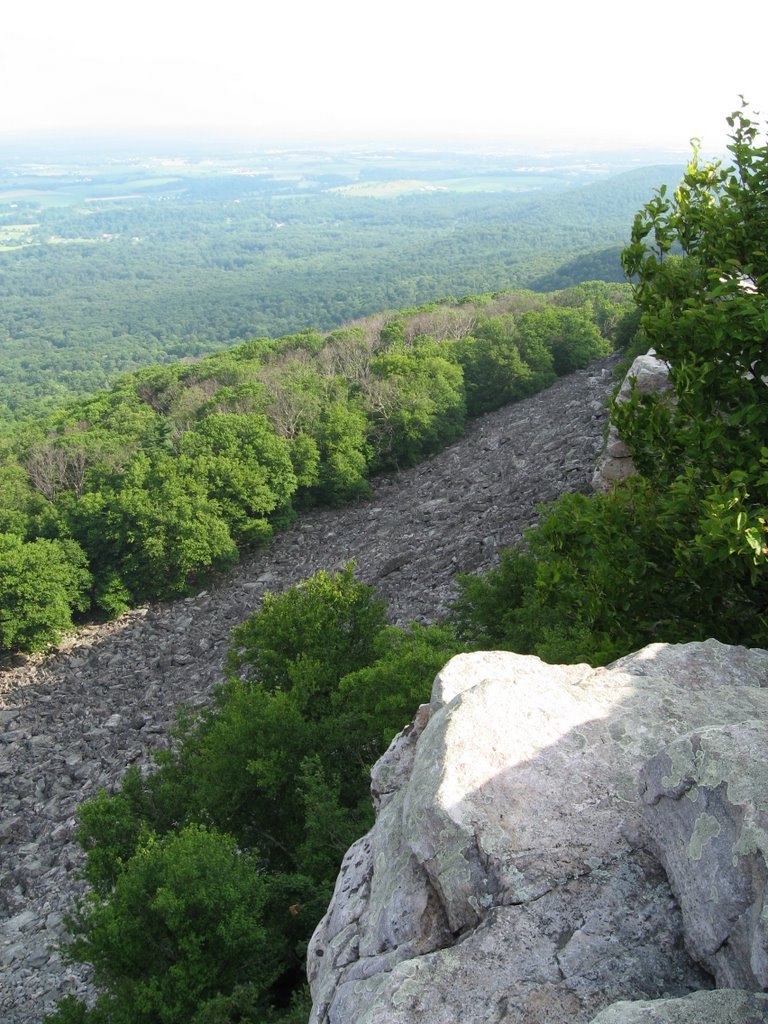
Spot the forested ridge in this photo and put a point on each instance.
(208, 874)
(142, 492)
(94, 289)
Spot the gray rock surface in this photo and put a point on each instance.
(651, 376)
(725, 1006)
(511, 875)
(707, 809)
(70, 723)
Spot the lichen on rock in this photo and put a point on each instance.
(514, 874)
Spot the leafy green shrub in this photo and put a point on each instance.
(306, 638)
(185, 915)
(681, 553)
(494, 370)
(71, 1011)
(571, 337)
(244, 1005)
(345, 453)
(150, 531)
(271, 780)
(602, 576)
(43, 581)
(417, 404)
(372, 704)
(109, 831)
(706, 313)
(245, 469)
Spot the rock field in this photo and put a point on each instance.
(72, 721)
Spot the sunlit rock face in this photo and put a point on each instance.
(516, 870)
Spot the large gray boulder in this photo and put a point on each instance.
(512, 876)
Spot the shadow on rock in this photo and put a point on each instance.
(552, 839)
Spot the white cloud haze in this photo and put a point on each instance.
(593, 74)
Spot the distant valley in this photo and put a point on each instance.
(110, 262)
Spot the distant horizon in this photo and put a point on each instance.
(180, 142)
(556, 76)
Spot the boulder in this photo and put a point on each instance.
(649, 375)
(513, 874)
(722, 1007)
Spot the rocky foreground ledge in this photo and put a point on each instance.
(551, 840)
(72, 722)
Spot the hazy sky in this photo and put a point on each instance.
(560, 74)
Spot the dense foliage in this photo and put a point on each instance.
(209, 875)
(144, 491)
(138, 276)
(681, 553)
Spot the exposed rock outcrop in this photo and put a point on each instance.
(650, 376)
(516, 870)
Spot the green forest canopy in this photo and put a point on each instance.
(142, 491)
(109, 268)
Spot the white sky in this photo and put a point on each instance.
(595, 73)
